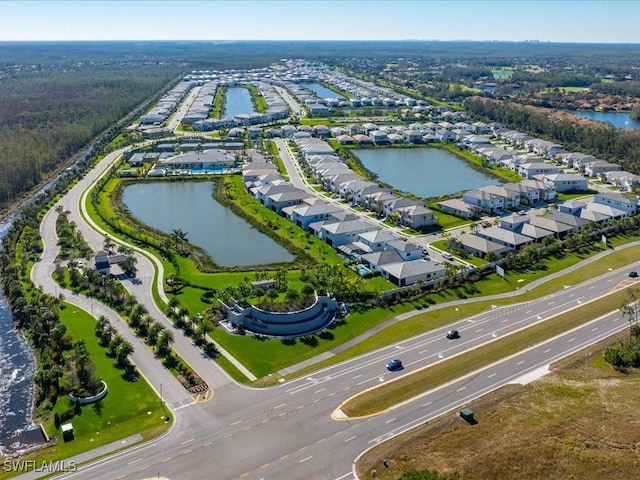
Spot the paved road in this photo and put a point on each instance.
(288, 431)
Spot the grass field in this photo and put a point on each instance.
(128, 409)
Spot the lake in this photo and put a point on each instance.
(321, 91)
(228, 239)
(427, 172)
(237, 101)
(617, 119)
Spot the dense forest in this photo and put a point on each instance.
(619, 145)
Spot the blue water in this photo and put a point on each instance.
(362, 270)
(426, 172)
(501, 74)
(321, 91)
(237, 101)
(190, 206)
(617, 119)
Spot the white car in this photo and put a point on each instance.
(447, 256)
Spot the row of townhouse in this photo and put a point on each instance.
(161, 110)
(337, 178)
(587, 165)
(401, 262)
(497, 198)
(517, 231)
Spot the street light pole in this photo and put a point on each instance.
(161, 400)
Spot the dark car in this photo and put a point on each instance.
(394, 365)
(451, 334)
(633, 274)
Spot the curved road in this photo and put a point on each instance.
(288, 431)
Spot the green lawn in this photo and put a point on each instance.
(448, 221)
(128, 409)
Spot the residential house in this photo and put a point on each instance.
(560, 230)
(617, 200)
(407, 250)
(416, 216)
(459, 208)
(303, 215)
(529, 170)
(574, 221)
(597, 167)
(507, 238)
(342, 233)
(376, 240)
(478, 246)
(566, 182)
(412, 272)
(377, 259)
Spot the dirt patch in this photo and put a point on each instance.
(578, 422)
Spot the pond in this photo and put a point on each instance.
(617, 119)
(228, 239)
(426, 172)
(321, 91)
(237, 101)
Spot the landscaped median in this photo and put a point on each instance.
(405, 388)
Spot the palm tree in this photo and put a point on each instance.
(155, 328)
(122, 355)
(136, 312)
(115, 343)
(179, 237)
(108, 243)
(165, 340)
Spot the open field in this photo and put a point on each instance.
(578, 422)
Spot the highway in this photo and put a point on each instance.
(288, 431)
(293, 431)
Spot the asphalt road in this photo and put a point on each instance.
(291, 431)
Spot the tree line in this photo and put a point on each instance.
(621, 146)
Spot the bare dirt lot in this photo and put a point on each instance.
(579, 422)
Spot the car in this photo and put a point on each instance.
(633, 274)
(425, 252)
(447, 256)
(487, 224)
(394, 365)
(451, 334)
(522, 212)
(80, 264)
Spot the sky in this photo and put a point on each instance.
(590, 21)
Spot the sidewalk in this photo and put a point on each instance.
(413, 313)
(78, 460)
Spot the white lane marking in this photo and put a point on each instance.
(427, 404)
(134, 461)
(460, 389)
(492, 375)
(187, 441)
(423, 351)
(357, 376)
(389, 421)
(235, 423)
(571, 295)
(349, 439)
(520, 362)
(572, 339)
(594, 329)
(280, 406)
(305, 459)
(615, 319)
(479, 330)
(321, 390)
(547, 350)
(591, 287)
(551, 303)
(344, 476)
(528, 311)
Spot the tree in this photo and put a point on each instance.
(108, 244)
(124, 350)
(165, 340)
(179, 238)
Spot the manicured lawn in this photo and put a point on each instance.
(448, 221)
(129, 407)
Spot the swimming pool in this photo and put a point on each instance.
(362, 270)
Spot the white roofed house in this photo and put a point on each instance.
(276, 197)
(379, 138)
(349, 189)
(574, 221)
(478, 246)
(594, 169)
(395, 203)
(412, 272)
(484, 201)
(303, 215)
(407, 250)
(529, 170)
(342, 233)
(416, 216)
(546, 191)
(413, 136)
(375, 201)
(507, 238)
(333, 183)
(617, 200)
(567, 182)
(376, 240)
(360, 194)
(623, 180)
(459, 208)
(569, 158)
